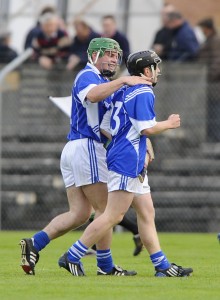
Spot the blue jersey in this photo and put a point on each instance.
(86, 116)
(132, 111)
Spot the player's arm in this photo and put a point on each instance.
(140, 109)
(172, 122)
(105, 125)
(104, 90)
(107, 134)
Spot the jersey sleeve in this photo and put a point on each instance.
(140, 108)
(84, 82)
(105, 124)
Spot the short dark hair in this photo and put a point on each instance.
(109, 17)
(47, 9)
(207, 23)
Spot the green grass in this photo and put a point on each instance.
(200, 251)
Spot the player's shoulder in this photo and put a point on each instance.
(139, 87)
(119, 94)
(136, 90)
(87, 72)
(120, 91)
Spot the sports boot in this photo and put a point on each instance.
(173, 271)
(73, 268)
(29, 256)
(117, 271)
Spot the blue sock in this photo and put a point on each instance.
(40, 240)
(159, 260)
(76, 252)
(104, 260)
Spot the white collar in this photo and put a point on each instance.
(94, 68)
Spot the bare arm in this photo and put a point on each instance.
(105, 125)
(107, 134)
(102, 91)
(172, 122)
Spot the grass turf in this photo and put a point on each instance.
(200, 251)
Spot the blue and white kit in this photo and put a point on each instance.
(132, 111)
(86, 116)
(83, 157)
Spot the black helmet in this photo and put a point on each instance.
(137, 61)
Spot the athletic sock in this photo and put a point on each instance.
(104, 260)
(159, 260)
(76, 252)
(40, 240)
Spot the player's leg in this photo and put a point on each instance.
(91, 174)
(143, 205)
(97, 195)
(129, 222)
(79, 212)
(117, 205)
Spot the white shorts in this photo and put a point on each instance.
(83, 162)
(118, 182)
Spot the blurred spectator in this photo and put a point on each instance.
(7, 54)
(36, 29)
(210, 55)
(163, 37)
(184, 45)
(109, 30)
(51, 44)
(210, 50)
(79, 46)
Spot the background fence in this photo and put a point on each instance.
(184, 177)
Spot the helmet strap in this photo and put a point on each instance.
(97, 56)
(153, 73)
(96, 59)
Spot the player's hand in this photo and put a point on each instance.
(134, 80)
(174, 120)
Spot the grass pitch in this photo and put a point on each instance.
(200, 251)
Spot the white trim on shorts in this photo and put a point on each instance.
(83, 162)
(117, 182)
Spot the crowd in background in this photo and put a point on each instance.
(52, 43)
(175, 41)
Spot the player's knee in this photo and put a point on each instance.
(85, 216)
(81, 217)
(118, 218)
(112, 219)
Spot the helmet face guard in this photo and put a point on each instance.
(137, 61)
(100, 46)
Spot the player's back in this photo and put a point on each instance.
(127, 150)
